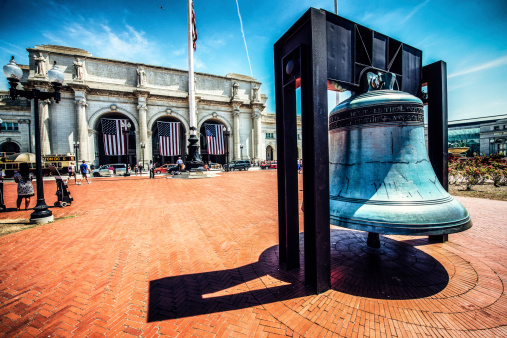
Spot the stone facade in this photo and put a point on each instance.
(144, 94)
(269, 132)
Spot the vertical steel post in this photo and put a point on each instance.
(280, 136)
(286, 128)
(289, 170)
(314, 123)
(435, 76)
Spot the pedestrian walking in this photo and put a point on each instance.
(179, 162)
(151, 168)
(136, 169)
(72, 171)
(25, 187)
(83, 168)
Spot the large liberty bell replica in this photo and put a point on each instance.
(381, 180)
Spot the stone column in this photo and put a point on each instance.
(237, 150)
(143, 127)
(93, 142)
(256, 120)
(82, 128)
(44, 125)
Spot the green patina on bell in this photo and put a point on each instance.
(381, 180)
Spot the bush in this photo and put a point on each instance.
(478, 170)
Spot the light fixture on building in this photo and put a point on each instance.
(76, 149)
(143, 145)
(13, 73)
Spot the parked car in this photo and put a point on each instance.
(166, 168)
(239, 165)
(268, 165)
(120, 169)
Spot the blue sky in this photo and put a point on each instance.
(469, 35)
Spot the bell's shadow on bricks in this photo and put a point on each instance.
(395, 271)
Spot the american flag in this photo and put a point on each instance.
(215, 138)
(194, 28)
(116, 137)
(169, 138)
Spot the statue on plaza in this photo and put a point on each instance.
(79, 70)
(141, 77)
(235, 87)
(40, 65)
(255, 93)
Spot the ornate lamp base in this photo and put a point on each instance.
(193, 161)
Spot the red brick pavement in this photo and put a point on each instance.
(199, 258)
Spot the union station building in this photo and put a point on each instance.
(97, 88)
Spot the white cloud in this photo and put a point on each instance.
(123, 43)
(415, 10)
(488, 65)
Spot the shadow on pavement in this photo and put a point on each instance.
(395, 271)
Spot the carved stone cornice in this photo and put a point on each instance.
(141, 93)
(40, 85)
(257, 105)
(236, 104)
(79, 87)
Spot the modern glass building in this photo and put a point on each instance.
(483, 135)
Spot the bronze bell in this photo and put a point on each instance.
(381, 180)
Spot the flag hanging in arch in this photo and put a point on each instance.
(215, 138)
(116, 136)
(169, 138)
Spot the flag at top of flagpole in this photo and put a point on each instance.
(194, 28)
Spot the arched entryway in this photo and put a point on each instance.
(9, 147)
(206, 156)
(158, 157)
(269, 153)
(130, 156)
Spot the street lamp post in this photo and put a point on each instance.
(29, 122)
(127, 133)
(142, 148)
(76, 150)
(241, 148)
(13, 73)
(227, 134)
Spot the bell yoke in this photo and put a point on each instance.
(374, 171)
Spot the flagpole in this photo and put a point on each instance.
(191, 80)
(193, 161)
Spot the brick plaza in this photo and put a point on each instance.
(181, 258)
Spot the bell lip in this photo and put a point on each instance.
(404, 228)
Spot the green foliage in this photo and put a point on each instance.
(478, 170)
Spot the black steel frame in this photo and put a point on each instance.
(320, 51)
